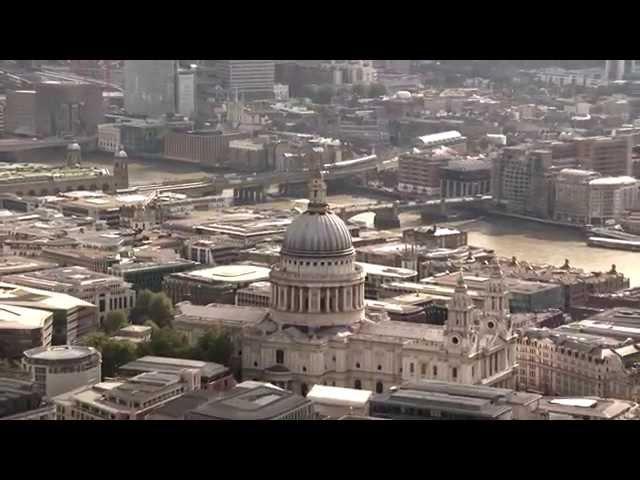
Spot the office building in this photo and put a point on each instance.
(431, 400)
(93, 259)
(376, 275)
(420, 172)
(610, 198)
(572, 195)
(215, 284)
(206, 148)
(109, 137)
(12, 264)
(107, 292)
(72, 317)
(520, 183)
(435, 237)
(609, 156)
(219, 250)
(129, 399)
(149, 275)
(18, 398)
(55, 109)
(150, 87)
(465, 178)
(250, 79)
(60, 369)
(255, 401)
(569, 361)
(335, 402)
(346, 72)
(186, 92)
(587, 408)
(213, 377)
(23, 328)
(20, 112)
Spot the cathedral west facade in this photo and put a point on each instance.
(317, 331)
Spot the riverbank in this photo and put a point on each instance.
(537, 242)
(499, 213)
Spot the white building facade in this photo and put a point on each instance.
(60, 369)
(109, 137)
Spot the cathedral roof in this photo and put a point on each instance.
(317, 234)
(403, 330)
(318, 231)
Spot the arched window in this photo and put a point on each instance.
(358, 385)
(280, 357)
(379, 387)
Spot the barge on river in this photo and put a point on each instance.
(630, 245)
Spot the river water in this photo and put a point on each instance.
(539, 243)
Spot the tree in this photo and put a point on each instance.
(325, 94)
(214, 346)
(161, 310)
(359, 90)
(167, 342)
(138, 313)
(377, 90)
(310, 91)
(152, 306)
(115, 321)
(115, 353)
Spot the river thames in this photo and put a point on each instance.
(539, 243)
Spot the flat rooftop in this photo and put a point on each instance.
(74, 276)
(14, 264)
(601, 408)
(62, 352)
(228, 274)
(446, 402)
(348, 397)
(151, 363)
(259, 403)
(130, 267)
(385, 271)
(219, 314)
(13, 317)
(11, 294)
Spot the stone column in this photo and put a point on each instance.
(301, 306)
(286, 298)
(327, 300)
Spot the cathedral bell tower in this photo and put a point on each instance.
(460, 321)
(317, 189)
(74, 155)
(497, 299)
(121, 168)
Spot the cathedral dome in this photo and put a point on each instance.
(317, 234)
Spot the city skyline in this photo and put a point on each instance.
(319, 239)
